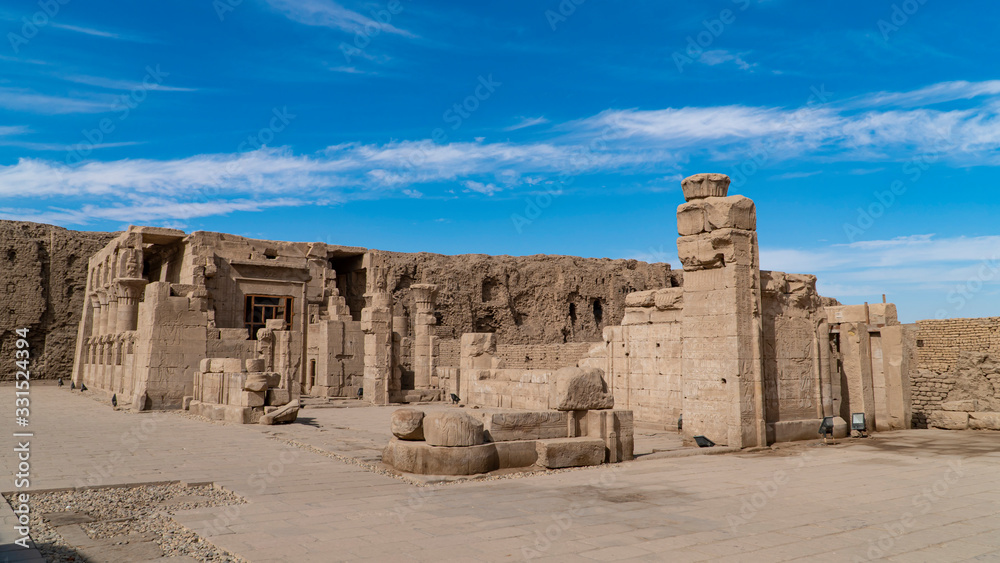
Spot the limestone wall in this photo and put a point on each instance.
(43, 273)
(956, 361)
(542, 356)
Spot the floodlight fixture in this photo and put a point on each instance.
(704, 442)
(858, 423)
(826, 427)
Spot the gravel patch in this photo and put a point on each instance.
(130, 513)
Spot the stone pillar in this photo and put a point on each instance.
(129, 291)
(376, 323)
(855, 345)
(898, 394)
(478, 351)
(102, 313)
(723, 394)
(424, 334)
(112, 307)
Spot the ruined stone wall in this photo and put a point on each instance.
(957, 360)
(43, 273)
(542, 356)
(792, 309)
(526, 300)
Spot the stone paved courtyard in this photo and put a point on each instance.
(904, 496)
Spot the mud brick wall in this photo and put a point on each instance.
(43, 273)
(951, 355)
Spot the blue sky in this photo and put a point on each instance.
(867, 132)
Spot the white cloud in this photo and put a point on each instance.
(623, 142)
(479, 187)
(526, 122)
(20, 99)
(717, 57)
(326, 13)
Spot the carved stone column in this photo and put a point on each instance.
(722, 351)
(424, 334)
(129, 292)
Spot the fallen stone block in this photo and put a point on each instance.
(984, 420)
(948, 420)
(570, 452)
(407, 424)
(538, 425)
(452, 429)
(282, 415)
(424, 459)
(254, 366)
(581, 389)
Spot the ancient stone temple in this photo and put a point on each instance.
(747, 357)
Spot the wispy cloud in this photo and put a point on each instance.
(717, 57)
(479, 187)
(123, 85)
(654, 143)
(20, 99)
(326, 13)
(101, 33)
(526, 122)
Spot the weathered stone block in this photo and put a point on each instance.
(570, 452)
(424, 459)
(616, 429)
(278, 397)
(580, 389)
(517, 454)
(641, 299)
(700, 186)
(959, 406)
(452, 429)
(512, 426)
(255, 365)
(984, 420)
(734, 212)
(669, 299)
(256, 382)
(948, 420)
(407, 424)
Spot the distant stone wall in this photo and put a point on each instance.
(957, 361)
(43, 273)
(543, 356)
